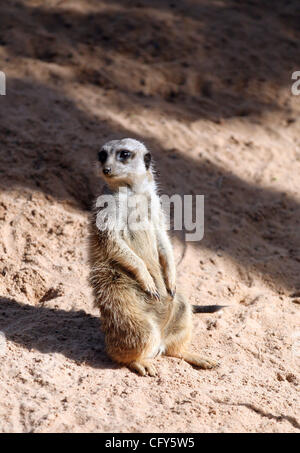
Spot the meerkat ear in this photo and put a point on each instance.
(147, 160)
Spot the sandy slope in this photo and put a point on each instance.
(207, 86)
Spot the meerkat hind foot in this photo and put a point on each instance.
(199, 361)
(143, 368)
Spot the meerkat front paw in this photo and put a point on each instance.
(171, 285)
(172, 292)
(153, 293)
(149, 286)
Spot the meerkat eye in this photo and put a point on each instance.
(147, 160)
(102, 156)
(124, 155)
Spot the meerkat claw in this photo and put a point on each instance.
(153, 295)
(156, 295)
(172, 292)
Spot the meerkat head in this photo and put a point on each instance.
(124, 162)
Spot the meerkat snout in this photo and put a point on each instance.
(106, 170)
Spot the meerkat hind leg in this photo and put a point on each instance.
(143, 367)
(179, 335)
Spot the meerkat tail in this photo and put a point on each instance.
(207, 308)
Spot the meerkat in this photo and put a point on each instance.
(133, 273)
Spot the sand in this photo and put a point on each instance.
(207, 86)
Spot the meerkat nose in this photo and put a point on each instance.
(107, 170)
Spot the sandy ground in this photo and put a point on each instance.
(207, 85)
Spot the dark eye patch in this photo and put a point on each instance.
(147, 160)
(123, 155)
(102, 156)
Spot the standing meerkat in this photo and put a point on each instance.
(133, 272)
